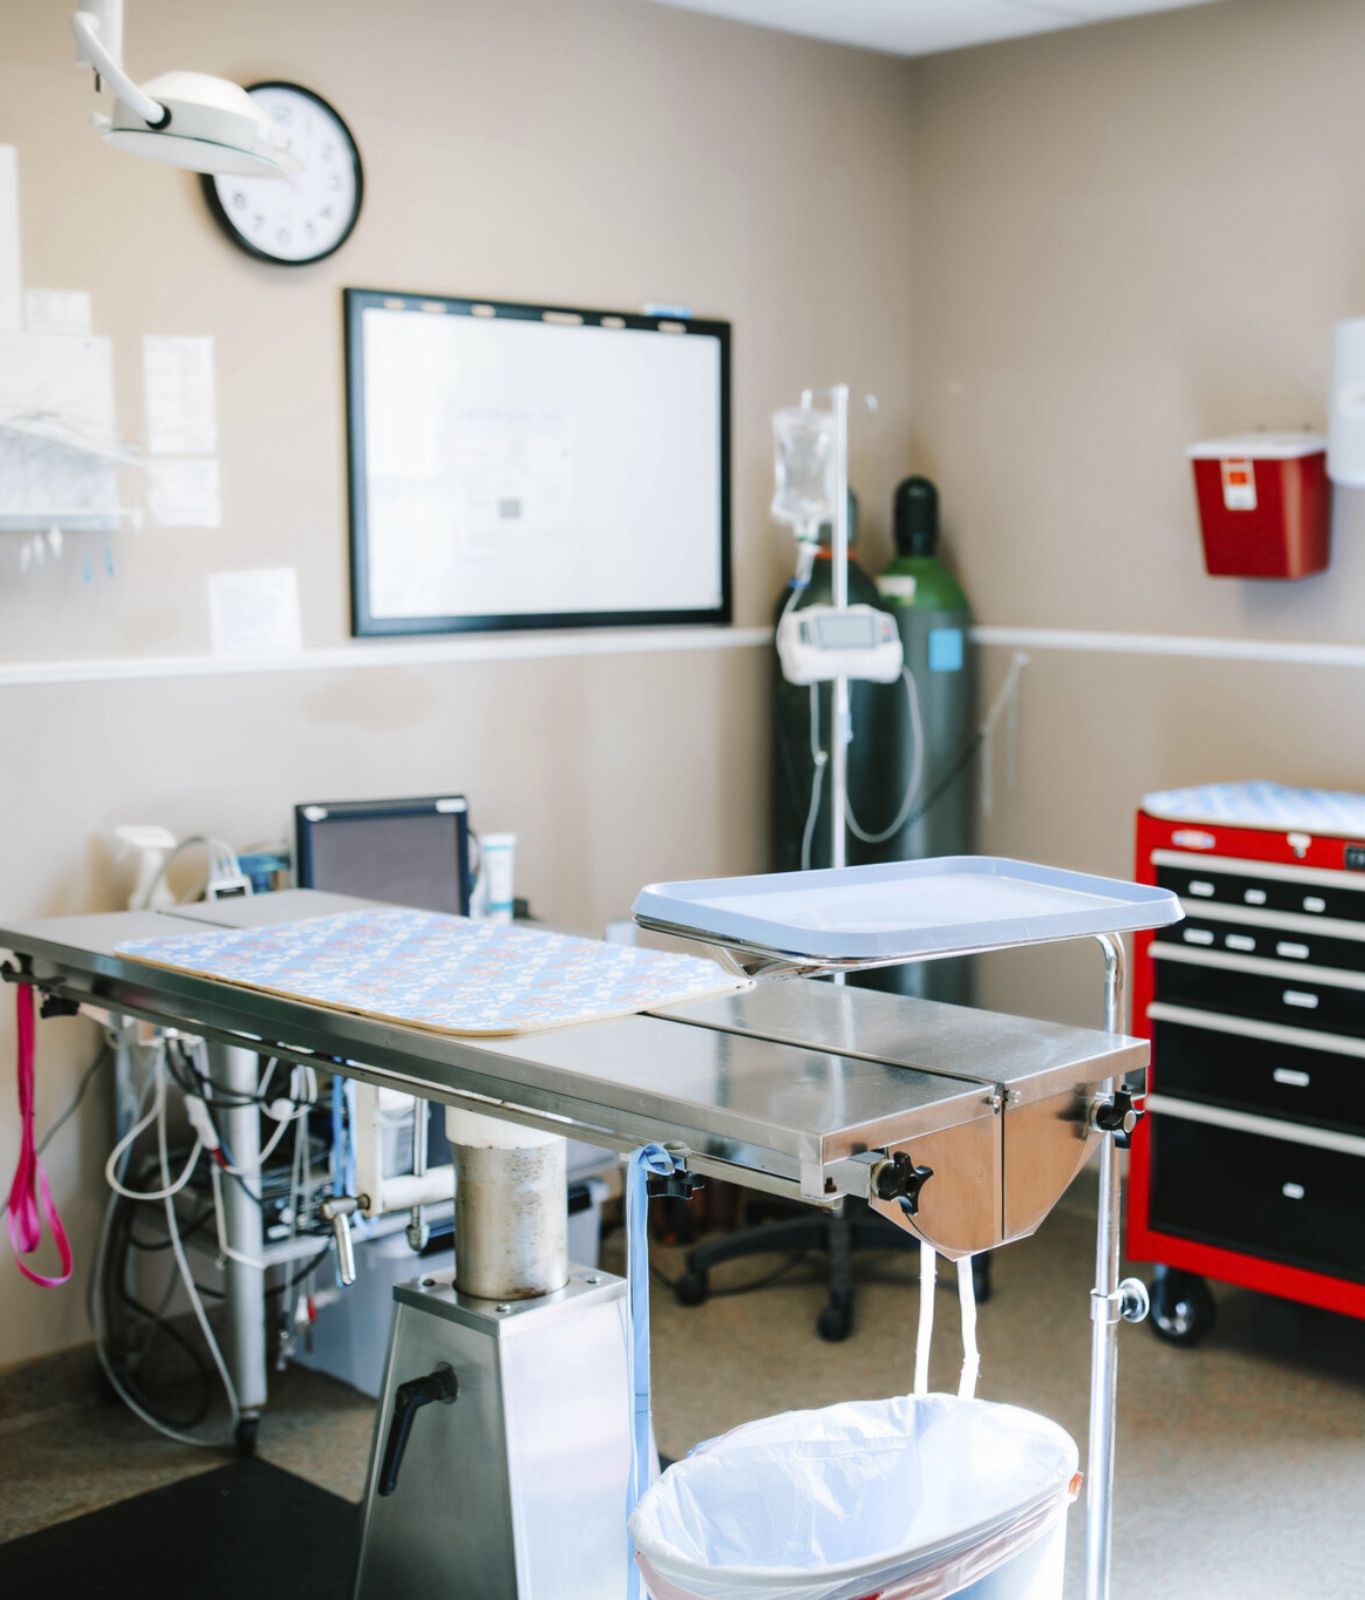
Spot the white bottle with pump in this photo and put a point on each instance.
(1346, 429)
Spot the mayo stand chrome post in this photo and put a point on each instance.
(1107, 1309)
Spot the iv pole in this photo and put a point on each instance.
(841, 731)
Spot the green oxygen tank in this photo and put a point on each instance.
(934, 709)
(801, 799)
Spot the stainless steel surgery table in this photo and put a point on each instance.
(799, 1087)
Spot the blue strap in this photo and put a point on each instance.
(651, 1160)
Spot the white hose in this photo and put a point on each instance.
(157, 1114)
(924, 1337)
(971, 1356)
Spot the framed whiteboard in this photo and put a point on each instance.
(516, 466)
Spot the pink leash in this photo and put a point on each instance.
(30, 1181)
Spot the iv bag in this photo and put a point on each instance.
(805, 457)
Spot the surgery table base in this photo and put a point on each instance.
(515, 1488)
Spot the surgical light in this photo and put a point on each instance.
(186, 119)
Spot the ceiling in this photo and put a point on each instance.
(921, 27)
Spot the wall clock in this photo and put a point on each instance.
(306, 216)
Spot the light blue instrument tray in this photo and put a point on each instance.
(902, 911)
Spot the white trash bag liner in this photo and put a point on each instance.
(905, 1499)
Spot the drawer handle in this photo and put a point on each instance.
(1198, 936)
(1294, 952)
(1300, 997)
(1254, 897)
(1292, 1191)
(1314, 902)
(1241, 941)
(1201, 886)
(1291, 1076)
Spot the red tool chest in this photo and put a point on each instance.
(1250, 1165)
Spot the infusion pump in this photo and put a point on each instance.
(819, 643)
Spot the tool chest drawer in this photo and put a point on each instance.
(1265, 1197)
(1289, 999)
(1260, 1076)
(1266, 943)
(1299, 894)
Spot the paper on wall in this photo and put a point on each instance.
(182, 492)
(177, 381)
(59, 456)
(255, 613)
(57, 311)
(11, 271)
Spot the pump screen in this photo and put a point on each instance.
(849, 632)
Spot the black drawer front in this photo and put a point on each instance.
(1264, 894)
(1259, 1076)
(1263, 1197)
(1267, 944)
(1245, 994)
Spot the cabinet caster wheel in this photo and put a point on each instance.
(1183, 1310)
(835, 1323)
(692, 1288)
(247, 1429)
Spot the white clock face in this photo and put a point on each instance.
(308, 214)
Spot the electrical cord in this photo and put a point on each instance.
(96, 1304)
(916, 771)
(790, 1265)
(819, 759)
(223, 863)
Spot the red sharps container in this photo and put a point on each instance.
(1265, 504)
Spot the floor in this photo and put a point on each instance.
(1241, 1465)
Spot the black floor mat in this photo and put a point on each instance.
(246, 1531)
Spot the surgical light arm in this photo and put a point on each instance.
(187, 119)
(99, 44)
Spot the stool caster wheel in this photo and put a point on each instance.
(1182, 1308)
(981, 1278)
(835, 1323)
(692, 1288)
(247, 1429)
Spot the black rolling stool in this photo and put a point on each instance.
(854, 1226)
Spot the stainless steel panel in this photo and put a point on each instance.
(518, 1490)
(264, 910)
(1031, 1059)
(784, 1111)
(961, 1206)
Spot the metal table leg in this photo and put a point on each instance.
(1110, 1303)
(245, 1352)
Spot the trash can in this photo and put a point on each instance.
(905, 1499)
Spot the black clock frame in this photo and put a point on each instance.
(219, 211)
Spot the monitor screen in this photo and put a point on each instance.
(411, 853)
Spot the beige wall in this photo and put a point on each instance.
(603, 152)
(1121, 238)
(1127, 238)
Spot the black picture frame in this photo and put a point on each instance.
(364, 623)
(220, 214)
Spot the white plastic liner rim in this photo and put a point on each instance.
(864, 1430)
